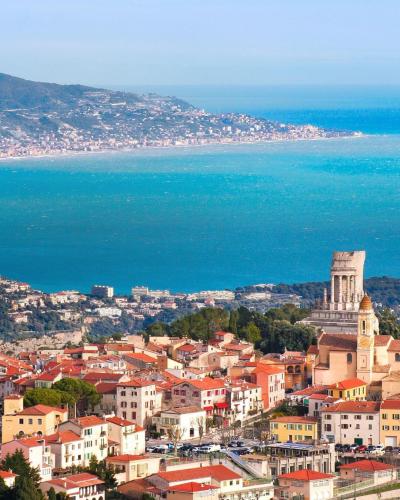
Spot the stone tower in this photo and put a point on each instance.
(365, 340)
(347, 276)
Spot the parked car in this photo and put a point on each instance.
(211, 448)
(370, 448)
(353, 447)
(389, 449)
(346, 448)
(338, 447)
(379, 450)
(361, 449)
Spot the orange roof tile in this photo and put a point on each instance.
(367, 466)
(306, 475)
(296, 420)
(218, 472)
(350, 383)
(353, 407)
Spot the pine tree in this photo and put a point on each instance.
(25, 489)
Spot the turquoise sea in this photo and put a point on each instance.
(213, 217)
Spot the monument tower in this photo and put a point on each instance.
(338, 311)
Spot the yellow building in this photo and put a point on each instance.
(353, 389)
(294, 428)
(38, 420)
(389, 434)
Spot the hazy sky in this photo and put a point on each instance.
(144, 42)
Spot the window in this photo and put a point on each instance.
(349, 358)
(384, 416)
(30, 421)
(397, 356)
(21, 420)
(133, 414)
(123, 393)
(40, 421)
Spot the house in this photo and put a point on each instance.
(318, 401)
(352, 389)
(127, 437)
(203, 393)
(139, 360)
(193, 491)
(36, 420)
(244, 400)
(305, 484)
(351, 422)
(231, 485)
(108, 403)
(294, 428)
(8, 478)
(68, 448)
(390, 422)
(84, 486)
(36, 451)
(128, 467)
(190, 419)
(294, 367)
(46, 380)
(363, 470)
(94, 432)
(137, 401)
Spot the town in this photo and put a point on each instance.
(48, 119)
(127, 410)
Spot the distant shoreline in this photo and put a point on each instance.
(71, 154)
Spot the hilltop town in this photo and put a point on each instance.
(44, 119)
(210, 412)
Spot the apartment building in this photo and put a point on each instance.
(137, 401)
(94, 432)
(68, 448)
(390, 422)
(294, 429)
(351, 422)
(127, 437)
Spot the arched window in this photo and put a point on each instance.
(364, 327)
(298, 369)
(290, 369)
(349, 358)
(397, 356)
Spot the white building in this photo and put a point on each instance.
(36, 451)
(84, 486)
(137, 401)
(129, 436)
(67, 447)
(188, 418)
(351, 422)
(94, 432)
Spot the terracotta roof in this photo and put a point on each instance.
(309, 390)
(350, 383)
(218, 472)
(106, 387)
(192, 487)
(119, 421)
(267, 368)
(367, 466)
(5, 474)
(41, 410)
(339, 341)
(296, 420)
(183, 410)
(136, 382)
(365, 304)
(394, 345)
(306, 475)
(390, 404)
(76, 481)
(313, 349)
(98, 376)
(207, 383)
(88, 421)
(353, 407)
(382, 340)
(62, 437)
(140, 356)
(187, 348)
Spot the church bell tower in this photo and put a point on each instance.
(365, 340)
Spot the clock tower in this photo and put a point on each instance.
(365, 340)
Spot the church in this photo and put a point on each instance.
(351, 346)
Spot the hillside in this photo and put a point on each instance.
(46, 118)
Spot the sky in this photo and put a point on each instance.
(192, 42)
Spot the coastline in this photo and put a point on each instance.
(171, 147)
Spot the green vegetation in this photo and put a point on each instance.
(388, 323)
(67, 391)
(273, 331)
(27, 480)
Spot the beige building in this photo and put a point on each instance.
(305, 484)
(363, 470)
(38, 420)
(137, 401)
(129, 467)
(68, 449)
(129, 438)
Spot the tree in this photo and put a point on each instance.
(252, 333)
(82, 392)
(25, 489)
(201, 425)
(51, 494)
(233, 319)
(388, 323)
(5, 492)
(49, 397)
(20, 466)
(175, 433)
